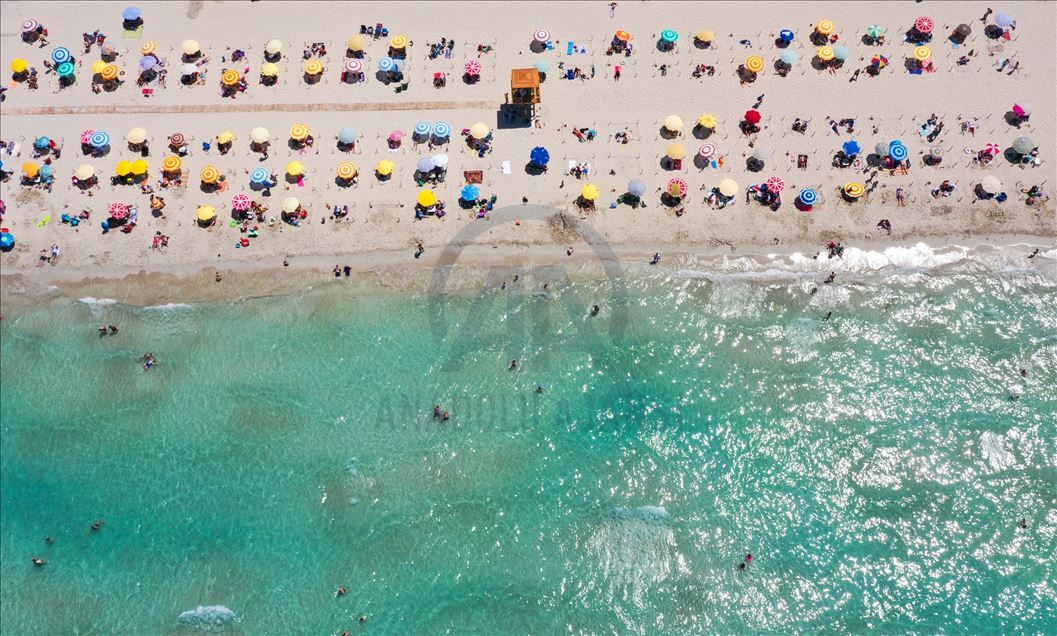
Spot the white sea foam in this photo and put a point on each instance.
(168, 307)
(207, 618)
(97, 302)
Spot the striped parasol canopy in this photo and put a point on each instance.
(353, 65)
(259, 175)
(230, 77)
(313, 67)
(118, 210)
(29, 26)
(100, 139)
(924, 24)
(347, 170)
(754, 63)
(61, 54)
(775, 184)
(177, 139)
(473, 67)
(677, 188)
(241, 202)
(210, 174)
(808, 196)
(299, 132)
(171, 164)
(706, 151)
(86, 137)
(148, 47)
(992, 149)
(541, 35)
(442, 130)
(386, 64)
(423, 128)
(854, 189)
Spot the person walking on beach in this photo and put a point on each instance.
(612, 9)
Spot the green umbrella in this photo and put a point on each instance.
(874, 30)
(1023, 145)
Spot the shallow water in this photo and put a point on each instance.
(872, 463)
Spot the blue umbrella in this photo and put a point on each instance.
(808, 196)
(441, 130)
(542, 65)
(897, 151)
(423, 128)
(425, 164)
(61, 54)
(841, 52)
(540, 156)
(470, 193)
(41, 143)
(259, 175)
(386, 64)
(7, 240)
(46, 171)
(790, 57)
(130, 14)
(65, 69)
(669, 36)
(347, 135)
(1004, 20)
(637, 187)
(852, 148)
(147, 62)
(100, 139)
(786, 35)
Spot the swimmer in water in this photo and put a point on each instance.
(741, 567)
(97, 525)
(102, 330)
(539, 389)
(513, 365)
(363, 619)
(341, 591)
(1023, 524)
(445, 417)
(595, 310)
(656, 258)
(1023, 373)
(436, 411)
(113, 329)
(828, 316)
(37, 561)
(829, 279)
(49, 541)
(148, 361)
(748, 558)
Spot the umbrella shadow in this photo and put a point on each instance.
(537, 47)
(817, 63)
(993, 31)
(700, 162)
(700, 132)
(668, 134)
(1012, 156)
(534, 169)
(1013, 119)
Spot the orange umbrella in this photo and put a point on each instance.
(171, 164)
(210, 174)
(230, 77)
(623, 36)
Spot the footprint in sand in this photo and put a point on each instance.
(193, 8)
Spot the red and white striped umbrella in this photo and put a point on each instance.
(924, 24)
(240, 202)
(177, 139)
(542, 35)
(86, 137)
(992, 149)
(30, 26)
(775, 184)
(706, 151)
(118, 210)
(352, 65)
(473, 67)
(677, 188)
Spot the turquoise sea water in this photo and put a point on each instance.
(872, 463)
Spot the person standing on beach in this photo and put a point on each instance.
(613, 9)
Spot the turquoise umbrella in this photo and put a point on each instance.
(347, 135)
(542, 65)
(841, 52)
(669, 36)
(790, 57)
(65, 69)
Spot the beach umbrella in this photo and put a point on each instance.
(539, 156)
(148, 47)
(922, 53)
(880, 61)
(100, 139)
(347, 135)
(542, 65)
(30, 169)
(1022, 109)
(259, 135)
(313, 67)
(762, 153)
(541, 35)
(881, 148)
(188, 69)
(789, 57)
(18, 65)
(677, 188)
(425, 164)
(637, 187)
(991, 185)
(65, 69)
(623, 36)
(854, 189)
(118, 210)
(290, 205)
(385, 167)
(353, 65)
(46, 171)
(269, 70)
(190, 47)
(295, 168)
(131, 14)
(936, 152)
(7, 240)
(841, 52)
(589, 192)
(473, 67)
(479, 130)
(673, 123)
(171, 164)
(123, 168)
(139, 167)
(210, 174)
(1004, 20)
(754, 63)
(426, 198)
(99, 65)
(852, 148)
(41, 143)
(440, 161)
(273, 47)
(787, 36)
(423, 128)
(240, 202)
(441, 130)
(992, 149)
(356, 43)
(230, 77)
(753, 116)
(808, 196)
(963, 30)
(676, 151)
(61, 54)
(897, 151)
(347, 170)
(398, 42)
(84, 172)
(707, 121)
(206, 213)
(386, 64)
(825, 27)
(706, 151)
(396, 136)
(775, 184)
(299, 132)
(669, 36)
(728, 187)
(29, 26)
(86, 137)
(825, 53)
(875, 30)
(705, 36)
(1023, 145)
(469, 193)
(146, 63)
(259, 175)
(924, 24)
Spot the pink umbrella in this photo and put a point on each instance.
(396, 135)
(541, 35)
(352, 65)
(86, 137)
(775, 184)
(240, 202)
(707, 151)
(992, 149)
(118, 211)
(924, 24)
(473, 67)
(1022, 110)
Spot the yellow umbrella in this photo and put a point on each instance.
(148, 47)
(922, 53)
(18, 65)
(313, 67)
(673, 123)
(206, 213)
(84, 172)
(728, 187)
(273, 47)
(259, 135)
(30, 169)
(398, 42)
(171, 164)
(676, 151)
(826, 54)
(825, 27)
(706, 36)
(98, 66)
(190, 47)
(295, 168)
(299, 132)
(226, 137)
(347, 170)
(356, 43)
(479, 130)
(854, 189)
(707, 121)
(210, 174)
(290, 204)
(269, 70)
(426, 198)
(124, 168)
(139, 166)
(110, 72)
(589, 192)
(384, 167)
(230, 77)
(136, 136)
(754, 63)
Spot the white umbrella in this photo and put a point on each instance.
(991, 184)
(188, 69)
(440, 161)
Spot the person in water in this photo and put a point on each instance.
(97, 525)
(102, 330)
(341, 591)
(656, 258)
(539, 389)
(37, 561)
(436, 411)
(595, 310)
(113, 329)
(513, 365)
(148, 361)
(445, 417)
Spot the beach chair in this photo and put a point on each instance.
(473, 176)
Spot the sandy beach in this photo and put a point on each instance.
(381, 226)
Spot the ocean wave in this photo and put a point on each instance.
(168, 307)
(207, 618)
(97, 302)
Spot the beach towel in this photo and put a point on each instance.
(44, 221)
(569, 49)
(505, 167)
(135, 33)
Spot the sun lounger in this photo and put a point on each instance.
(505, 167)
